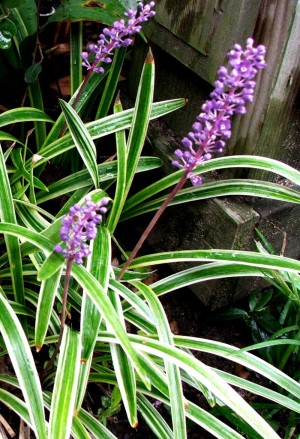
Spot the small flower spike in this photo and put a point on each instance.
(120, 35)
(79, 226)
(234, 88)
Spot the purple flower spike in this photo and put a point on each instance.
(234, 88)
(120, 35)
(79, 226)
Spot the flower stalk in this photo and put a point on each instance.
(234, 89)
(120, 35)
(78, 227)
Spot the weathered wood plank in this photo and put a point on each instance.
(199, 32)
(190, 20)
(263, 130)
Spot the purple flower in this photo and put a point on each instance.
(120, 35)
(79, 226)
(234, 88)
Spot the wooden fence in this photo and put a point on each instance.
(199, 33)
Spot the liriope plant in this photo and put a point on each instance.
(56, 261)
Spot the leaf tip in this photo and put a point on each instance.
(118, 99)
(149, 59)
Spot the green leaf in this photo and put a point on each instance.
(76, 44)
(173, 373)
(249, 258)
(140, 119)
(210, 423)
(7, 32)
(79, 430)
(32, 73)
(24, 366)
(24, 16)
(50, 266)
(253, 188)
(214, 270)
(36, 101)
(99, 266)
(268, 343)
(254, 162)
(111, 83)
(18, 162)
(244, 358)
(124, 369)
(34, 238)
(46, 296)
(12, 3)
(73, 10)
(82, 139)
(7, 214)
(94, 426)
(65, 386)
(207, 376)
(153, 419)
(107, 172)
(119, 198)
(16, 405)
(96, 293)
(103, 127)
(78, 100)
(25, 114)
(133, 299)
(262, 391)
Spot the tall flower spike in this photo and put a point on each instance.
(234, 88)
(120, 35)
(79, 226)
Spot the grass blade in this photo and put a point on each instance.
(96, 293)
(25, 114)
(173, 374)
(24, 366)
(45, 304)
(16, 405)
(82, 139)
(207, 376)
(65, 386)
(254, 162)
(249, 258)
(99, 267)
(119, 198)
(111, 83)
(7, 214)
(102, 127)
(244, 358)
(252, 188)
(75, 55)
(140, 119)
(153, 418)
(90, 317)
(123, 369)
(107, 172)
(94, 426)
